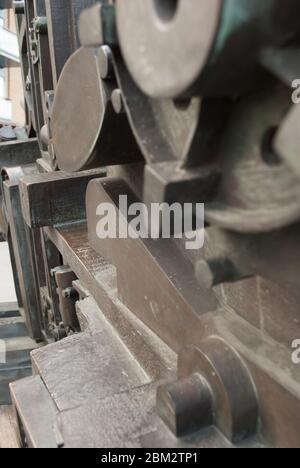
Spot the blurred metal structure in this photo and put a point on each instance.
(164, 101)
(9, 57)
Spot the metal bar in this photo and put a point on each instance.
(55, 198)
(18, 153)
(24, 257)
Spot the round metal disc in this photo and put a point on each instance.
(166, 43)
(78, 111)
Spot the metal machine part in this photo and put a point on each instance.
(84, 120)
(45, 47)
(212, 46)
(63, 41)
(188, 140)
(68, 297)
(23, 246)
(152, 30)
(250, 160)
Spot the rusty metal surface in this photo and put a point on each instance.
(113, 397)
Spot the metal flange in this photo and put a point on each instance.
(214, 387)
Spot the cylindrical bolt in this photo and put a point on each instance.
(117, 101)
(186, 406)
(45, 135)
(97, 25)
(105, 62)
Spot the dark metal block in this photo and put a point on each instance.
(170, 182)
(19, 153)
(55, 198)
(36, 422)
(16, 346)
(24, 256)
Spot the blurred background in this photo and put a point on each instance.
(11, 88)
(11, 116)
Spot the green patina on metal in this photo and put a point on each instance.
(109, 25)
(236, 14)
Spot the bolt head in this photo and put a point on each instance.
(117, 101)
(186, 406)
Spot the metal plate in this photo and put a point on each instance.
(166, 43)
(78, 111)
